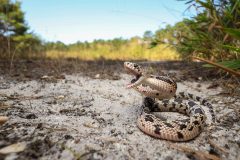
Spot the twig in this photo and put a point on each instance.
(11, 63)
(211, 142)
(219, 66)
(197, 154)
(20, 97)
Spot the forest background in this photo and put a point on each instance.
(212, 34)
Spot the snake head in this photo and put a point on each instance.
(136, 70)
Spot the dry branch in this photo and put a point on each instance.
(221, 149)
(20, 97)
(219, 66)
(195, 153)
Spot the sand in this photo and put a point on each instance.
(82, 117)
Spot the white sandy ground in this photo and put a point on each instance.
(89, 118)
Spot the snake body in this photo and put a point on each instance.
(158, 91)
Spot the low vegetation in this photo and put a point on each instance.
(212, 34)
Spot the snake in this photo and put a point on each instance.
(160, 96)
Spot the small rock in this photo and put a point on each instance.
(227, 146)
(31, 116)
(130, 132)
(113, 131)
(60, 97)
(67, 137)
(97, 76)
(45, 77)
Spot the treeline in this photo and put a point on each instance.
(125, 49)
(213, 34)
(60, 46)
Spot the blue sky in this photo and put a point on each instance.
(85, 20)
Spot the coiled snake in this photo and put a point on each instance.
(157, 91)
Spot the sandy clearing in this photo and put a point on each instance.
(86, 118)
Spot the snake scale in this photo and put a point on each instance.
(159, 92)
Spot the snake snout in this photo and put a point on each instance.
(133, 68)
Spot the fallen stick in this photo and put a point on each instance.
(195, 153)
(219, 66)
(20, 97)
(221, 149)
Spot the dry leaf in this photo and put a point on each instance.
(13, 148)
(3, 119)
